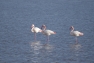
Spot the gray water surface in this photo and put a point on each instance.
(17, 44)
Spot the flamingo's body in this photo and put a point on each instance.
(35, 30)
(47, 32)
(75, 33)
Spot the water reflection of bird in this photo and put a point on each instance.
(75, 33)
(35, 30)
(47, 32)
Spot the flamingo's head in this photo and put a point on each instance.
(43, 27)
(71, 28)
(32, 25)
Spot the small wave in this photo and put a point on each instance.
(48, 47)
(36, 45)
(76, 46)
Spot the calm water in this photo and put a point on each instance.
(17, 43)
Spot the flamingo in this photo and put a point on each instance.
(35, 30)
(47, 32)
(75, 33)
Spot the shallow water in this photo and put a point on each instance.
(17, 44)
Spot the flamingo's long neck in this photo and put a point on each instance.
(44, 28)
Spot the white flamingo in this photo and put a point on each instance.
(47, 32)
(35, 30)
(75, 33)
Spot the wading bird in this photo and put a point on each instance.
(47, 32)
(75, 33)
(35, 30)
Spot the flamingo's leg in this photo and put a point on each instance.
(47, 38)
(35, 36)
(76, 40)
